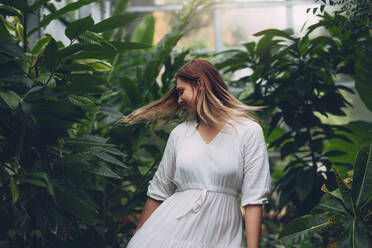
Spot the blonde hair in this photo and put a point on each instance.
(215, 105)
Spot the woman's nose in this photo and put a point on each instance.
(180, 101)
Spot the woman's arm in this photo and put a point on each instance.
(150, 206)
(253, 218)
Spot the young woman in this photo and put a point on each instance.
(193, 196)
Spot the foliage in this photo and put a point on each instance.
(355, 10)
(344, 212)
(352, 25)
(62, 184)
(295, 77)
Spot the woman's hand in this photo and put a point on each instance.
(253, 219)
(150, 206)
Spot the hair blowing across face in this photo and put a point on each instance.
(215, 105)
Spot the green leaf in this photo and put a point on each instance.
(104, 156)
(304, 183)
(97, 65)
(306, 225)
(76, 204)
(363, 76)
(114, 22)
(85, 142)
(345, 193)
(11, 48)
(78, 27)
(106, 52)
(40, 44)
(362, 178)
(19, 4)
(113, 150)
(45, 176)
(37, 4)
(8, 11)
(4, 34)
(69, 7)
(50, 56)
(82, 84)
(80, 100)
(11, 98)
(144, 31)
(19, 29)
(102, 171)
(14, 189)
(359, 235)
(274, 32)
(33, 181)
(331, 204)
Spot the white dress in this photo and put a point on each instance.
(200, 184)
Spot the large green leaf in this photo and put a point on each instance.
(44, 176)
(10, 47)
(345, 193)
(9, 11)
(69, 7)
(306, 225)
(274, 32)
(362, 77)
(144, 31)
(354, 233)
(76, 205)
(40, 44)
(14, 189)
(359, 236)
(362, 179)
(78, 27)
(82, 84)
(102, 171)
(50, 56)
(37, 4)
(19, 4)
(107, 157)
(4, 34)
(113, 22)
(11, 98)
(106, 52)
(330, 204)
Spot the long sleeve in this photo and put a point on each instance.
(256, 169)
(161, 186)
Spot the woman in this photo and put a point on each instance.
(193, 196)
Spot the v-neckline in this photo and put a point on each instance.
(202, 139)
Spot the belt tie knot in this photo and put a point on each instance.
(198, 204)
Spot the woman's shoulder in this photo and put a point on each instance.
(183, 127)
(247, 126)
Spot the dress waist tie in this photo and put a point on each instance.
(198, 204)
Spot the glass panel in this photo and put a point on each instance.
(248, 21)
(162, 2)
(199, 33)
(162, 24)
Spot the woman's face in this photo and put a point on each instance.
(186, 96)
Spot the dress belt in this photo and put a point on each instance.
(201, 199)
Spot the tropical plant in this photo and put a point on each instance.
(343, 214)
(61, 182)
(294, 77)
